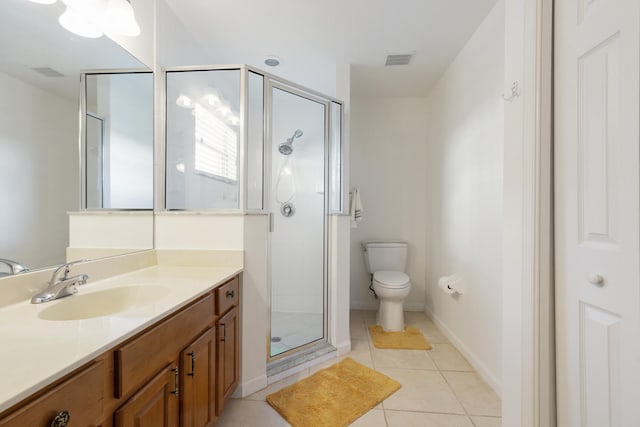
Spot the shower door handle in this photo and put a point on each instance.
(270, 222)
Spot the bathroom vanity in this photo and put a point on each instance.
(171, 362)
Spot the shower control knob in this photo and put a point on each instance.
(287, 210)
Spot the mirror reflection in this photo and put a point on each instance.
(203, 139)
(40, 66)
(118, 137)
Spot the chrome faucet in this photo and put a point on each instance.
(61, 285)
(14, 267)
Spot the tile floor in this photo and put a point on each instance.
(439, 387)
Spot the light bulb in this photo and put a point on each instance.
(234, 120)
(211, 100)
(224, 109)
(120, 18)
(72, 21)
(184, 101)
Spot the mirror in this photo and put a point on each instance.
(40, 67)
(203, 139)
(118, 141)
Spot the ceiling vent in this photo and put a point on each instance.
(46, 71)
(399, 59)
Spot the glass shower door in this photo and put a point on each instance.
(298, 206)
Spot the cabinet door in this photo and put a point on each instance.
(228, 349)
(155, 405)
(78, 399)
(198, 382)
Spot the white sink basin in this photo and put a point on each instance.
(102, 303)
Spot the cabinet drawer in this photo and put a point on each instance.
(227, 295)
(81, 396)
(137, 361)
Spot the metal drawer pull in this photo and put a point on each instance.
(61, 419)
(193, 364)
(224, 332)
(176, 391)
(231, 294)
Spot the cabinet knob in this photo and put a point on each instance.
(231, 294)
(61, 419)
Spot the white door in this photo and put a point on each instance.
(597, 214)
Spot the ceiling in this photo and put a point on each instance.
(313, 36)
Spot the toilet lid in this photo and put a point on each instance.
(391, 279)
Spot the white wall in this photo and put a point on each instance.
(38, 133)
(388, 164)
(111, 230)
(193, 230)
(464, 187)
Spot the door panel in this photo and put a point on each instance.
(597, 212)
(298, 205)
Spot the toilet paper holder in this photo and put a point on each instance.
(450, 284)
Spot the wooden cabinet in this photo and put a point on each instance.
(198, 382)
(140, 358)
(178, 372)
(228, 340)
(77, 398)
(155, 404)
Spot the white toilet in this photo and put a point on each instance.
(387, 260)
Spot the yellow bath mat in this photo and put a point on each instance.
(333, 397)
(409, 339)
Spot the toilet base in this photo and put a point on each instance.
(391, 316)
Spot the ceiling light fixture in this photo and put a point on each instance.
(120, 18)
(92, 18)
(77, 23)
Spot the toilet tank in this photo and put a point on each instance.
(385, 255)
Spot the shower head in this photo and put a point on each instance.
(286, 147)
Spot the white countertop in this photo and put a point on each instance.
(36, 352)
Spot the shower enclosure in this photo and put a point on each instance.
(245, 141)
(298, 228)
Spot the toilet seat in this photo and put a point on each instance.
(391, 279)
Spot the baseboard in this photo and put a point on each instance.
(343, 348)
(413, 307)
(471, 357)
(355, 305)
(249, 387)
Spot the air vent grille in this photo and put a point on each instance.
(46, 71)
(399, 59)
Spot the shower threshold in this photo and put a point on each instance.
(298, 361)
